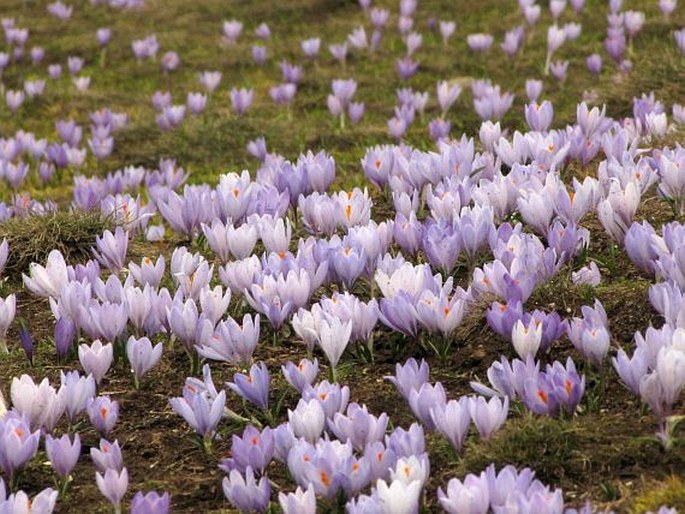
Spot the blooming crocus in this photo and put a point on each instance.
(358, 426)
(103, 36)
(479, 43)
(17, 442)
(107, 456)
(410, 376)
(19, 502)
(526, 339)
(197, 102)
(308, 419)
(210, 80)
(151, 503)
(200, 412)
(8, 309)
(298, 502)
(96, 359)
(333, 337)
(453, 420)
(62, 453)
(426, 398)
(253, 448)
(241, 100)
(142, 356)
(245, 493)
(253, 387)
(113, 485)
(231, 31)
(112, 248)
(76, 390)
(299, 375)
(469, 497)
(488, 416)
(103, 413)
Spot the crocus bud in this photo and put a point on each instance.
(65, 333)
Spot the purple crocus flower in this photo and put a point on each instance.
(298, 502)
(197, 102)
(469, 497)
(245, 493)
(170, 61)
(479, 43)
(409, 377)
(17, 442)
(310, 47)
(103, 413)
(107, 456)
(539, 116)
(8, 310)
(358, 426)
(426, 398)
(62, 453)
(253, 387)
(103, 36)
(76, 390)
(142, 356)
(259, 54)
(231, 31)
(594, 64)
(200, 411)
(113, 485)
(406, 67)
(151, 503)
(253, 449)
(333, 397)
(299, 375)
(112, 248)
(453, 420)
(210, 80)
(308, 420)
(241, 100)
(96, 359)
(488, 415)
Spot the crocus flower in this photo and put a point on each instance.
(200, 412)
(62, 453)
(151, 503)
(96, 359)
(299, 375)
(142, 356)
(253, 387)
(299, 502)
(426, 398)
(526, 339)
(43, 502)
(111, 249)
(8, 309)
(77, 390)
(488, 416)
(308, 419)
(453, 420)
(358, 426)
(17, 443)
(113, 485)
(245, 493)
(107, 456)
(410, 376)
(253, 449)
(471, 496)
(103, 413)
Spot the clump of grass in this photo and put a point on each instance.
(545, 444)
(670, 493)
(32, 238)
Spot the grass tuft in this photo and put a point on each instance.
(670, 493)
(32, 238)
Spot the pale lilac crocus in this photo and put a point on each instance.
(142, 356)
(96, 359)
(113, 485)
